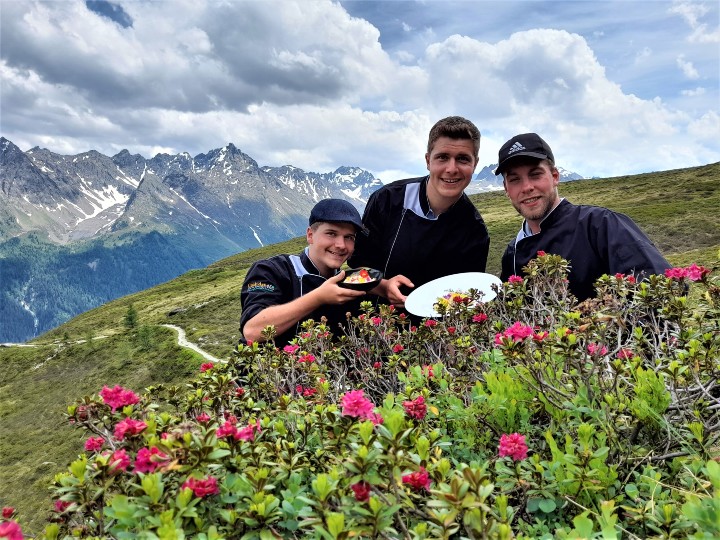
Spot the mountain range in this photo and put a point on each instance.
(79, 230)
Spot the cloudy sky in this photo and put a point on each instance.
(615, 87)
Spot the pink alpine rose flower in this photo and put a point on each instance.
(480, 317)
(228, 429)
(149, 459)
(696, 273)
(207, 366)
(202, 487)
(513, 446)
(541, 253)
(416, 408)
(356, 405)
(595, 348)
(375, 418)
(248, 432)
(377, 365)
(94, 444)
(417, 480)
(203, 418)
(430, 323)
(290, 349)
(10, 530)
(397, 348)
(306, 359)
(625, 354)
(515, 279)
(305, 391)
(676, 273)
(362, 491)
(61, 506)
(118, 397)
(7, 512)
(119, 461)
(128, 426)
(519, 331)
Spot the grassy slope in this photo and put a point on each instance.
(678, 209)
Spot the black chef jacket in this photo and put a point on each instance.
(595, 240)
(281, 279)
(405, 238)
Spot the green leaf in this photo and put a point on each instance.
(547, 505)
(366, 431)
(153, 486)
(583, 526)
(713, 471)
(423, 447)
(78, 468)
(217, 455)
(533, 505)
(335, 523)
(632, 491)
(52, 531)
(394, 421)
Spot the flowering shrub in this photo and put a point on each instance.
(118, 396)
(534, 417)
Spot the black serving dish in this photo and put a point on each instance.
(376, 276)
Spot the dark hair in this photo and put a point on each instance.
(455, 127)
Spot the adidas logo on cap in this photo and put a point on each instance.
(516, 148)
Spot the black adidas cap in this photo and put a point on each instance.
(525, 144)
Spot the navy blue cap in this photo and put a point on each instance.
(525, 144)
(336, 211)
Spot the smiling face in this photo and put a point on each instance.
(531, 186)
(331, 244)
(451, 164)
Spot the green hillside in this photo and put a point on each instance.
(678, 209)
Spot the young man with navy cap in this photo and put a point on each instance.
(595, 240)
(285, 290)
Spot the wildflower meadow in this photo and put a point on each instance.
(528, 416)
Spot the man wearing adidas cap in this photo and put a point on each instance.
(285, 290)
(595, 240)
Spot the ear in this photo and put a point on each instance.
(556, 176)
(309, 235)
(427, 161)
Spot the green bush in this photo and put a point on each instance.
(530, 416)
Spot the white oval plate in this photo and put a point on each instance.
(421, 301)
